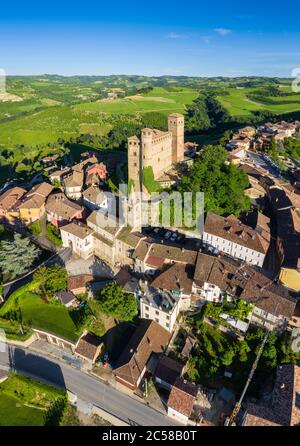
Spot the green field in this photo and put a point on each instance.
(24, 401)
(67, 121)
(238, 104)
(158, 100)
(39, 314)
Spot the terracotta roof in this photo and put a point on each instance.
(155, 262)
(31, 202)
(94, 194)
(182, 397)
(178, 277)
(59, 172)
(231, 228)
(60, 205)
(149, 337)
(168, 370)
(43, 189)
(284, 409)
(75, 179)
(80, 231)
(241, 280)
(80, 281)
(88, 346)
(9, 198)
(127, 281)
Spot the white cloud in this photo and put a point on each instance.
(223, 31)
(173, 35)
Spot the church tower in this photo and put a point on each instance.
(176, 127)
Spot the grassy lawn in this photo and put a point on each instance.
(39, 314)
(15, 413)
(24, 401)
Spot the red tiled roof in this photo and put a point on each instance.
(182, 397)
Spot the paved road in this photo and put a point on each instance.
(85, 386)
(259, 160)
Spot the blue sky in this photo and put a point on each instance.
(153, 38)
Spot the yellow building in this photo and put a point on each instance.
(290, 278)
(32, 206)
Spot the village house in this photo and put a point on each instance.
(113, 241)
(79, 284)
(217, 277)
(73, 184)
(88, 348)
(95, 174)
(181, 400)
(67, 298)
(230, 236)
(79, 238)
(284, 407)
(288, 237)
(149, 338)
(8, 204)
(58, 174)
(31, 206)
(150, 257)
(128, 282)
(167, 372)
(95, 199)
(61, 211)
(168, 295)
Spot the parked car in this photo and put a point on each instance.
(167, 235)
(173, 237)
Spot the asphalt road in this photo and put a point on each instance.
(84, 386)
(259, 160)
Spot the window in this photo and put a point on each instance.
(168, 318)
(157, 320)
(146, 308)
(147, 315)
(157, 313)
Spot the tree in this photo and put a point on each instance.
(17, 256)
(114, 302)
(51, 279)
(223, 184)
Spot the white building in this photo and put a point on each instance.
(95, 199)
(218, 277)
(230, 236)
(79, 238)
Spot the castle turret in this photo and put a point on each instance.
(146, 137)
(176, 127)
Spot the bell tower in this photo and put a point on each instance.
(176, 127)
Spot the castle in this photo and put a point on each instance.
(156, 149)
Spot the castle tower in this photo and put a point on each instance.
(176, 127)
(134, 161)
